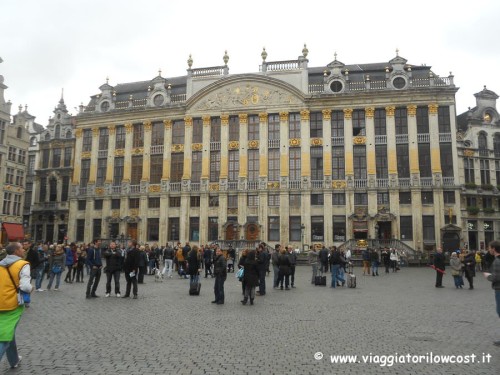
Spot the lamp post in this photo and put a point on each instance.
(302, 233)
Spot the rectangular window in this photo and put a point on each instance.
(428, 228)
(317, 228)
(469, 171)
(380, 121)
(253, 200)
(359, 160)
(136, 170)
(82, 205)
(339, 228)
(7, 200)
(317, 199)
(213, 229)
(383, 199)
(294, 164)
(424, 159)
(234, 128)
(253, 165)
(232, 201)
(401, 120)
(80, 230)
(338, 199)
(273, 161)
(157, 134)
(253, 128)
(178, 132)
(197, 130)
(427, 197)
(19, 177)
(9, 176)
(98, 204)
(194, 201)
(2, 132)
(213, 201)
(447, 219)
(234, 165)
(196, 166)
(273, 225)
(294, 200)
(154, 202)
(194, 229)
(360, 199)
(52, 189)
(85, 172)
(153, 229)
(444, 122)
(65, 189)
(56, 158)
(103, 138)
(118, 171)
(138, 135)
(338, 163)
(449, 197)
(273, 200)
(45, 158)
(115, 204)
(358, 122)
(102, 164)
(487, 202)
(214, 166)
(446, 156)
(484, 166)
(120, 137)
(67, 156)
(156, 169)
(43, 189)
(381, 163)
(422, 120)
(316, 163)
(133, 203)
(295, 230)
(273, 127)
(406, 227)
(176, 167)
(31, 164)
(215, 129)
(21, 156)
(16, 208)
(173, 229)
(12, 153)
(294, 125)
(471, 201)
(404, 197)
(337, 123)
(316, 124)
(403, 160)
(87, 140)
(174, 202)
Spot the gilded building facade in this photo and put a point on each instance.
(290, 154)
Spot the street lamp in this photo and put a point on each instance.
(302, 233)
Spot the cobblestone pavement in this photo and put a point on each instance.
(166, 331)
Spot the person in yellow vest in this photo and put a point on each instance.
(14, 273)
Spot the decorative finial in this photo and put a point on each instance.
(114, 92)
(264, 54)
(409, 68)
(26, 108)
(159, 72)
(397, 51)
(225, 58)
(131, 97)
(346, 72)
(387, 69)
(149, 88)
(325, 73)
(169, 87)
(190, 61)
(20, 108)
(305, 51)
(62, 94)
(107, 80)
(484, 87)
(335, 55)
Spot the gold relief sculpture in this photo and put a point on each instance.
(412, 110)
(295, 142)
(213, 187)
(154, 188)
(243, 118)
(389, 111)
(273, 185)
(147, 125)
(86, 155)
(99, 191)
(460, 136)
(304, 114)
(233, 211)
(119, 152)
(111, 129)
(78, 133)
(138, 151)
(178, 148)
(234, 145)
(197, 147)
(263, 117)
(338, 184)
(168, 124)
(188, 121)
(469, 153)
(224, 119)
(327, 114)
(115, 214)
(369, 112)
(433, 109)
(347, 113)
(359, 140)
(253, 144)
(283, 116)
(128, 128)
(316, 141)
(206, 120)
(95, 132)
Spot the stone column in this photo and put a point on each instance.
(434, 141)
(305, 146)
(205, 163)
(111, 155)
(78, 151)
(224, 141)
(263, 147)
(188, 141)
(327, 145)
(243, 174)
(413, 142)
(284, 146)
(93, 160)
(127, 170)
(349, 169)
(167, 149)
(146, 159)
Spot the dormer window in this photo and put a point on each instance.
(105, 106)
(47, 137)
(399, 83)
(33, 141)
(19, 132)
(336, 86)
(158, 100)
(68, 134)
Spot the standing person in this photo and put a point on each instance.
(131, 268)
(220, 272)
(470, 268)
(386, 259)
(439, 265)
(262, 261)
(114, 265)
(374, 258)
(394, 260)
(15, 273)
(323, 258)
(194, 264)
(181, 262)
(80, 264)
(241, 264)
(365, 254)
(168, 260)
(276, 270)
(293, 262)
(143, 264)
(284, 269)
(336, 263)
(94, 261)
(313, 261)
(208, 256)
(456, 269)
(494, 275)
(56, 266)
(70, 260)
(37, 263)
(250, 277)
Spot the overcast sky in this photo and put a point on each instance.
(48, 45)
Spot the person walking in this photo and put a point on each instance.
(365, 254)
(374, 259)
(15, 272)
(456, 270)
(131, 269)
(70, 261)
(336, 263)
(263, 263)
(168, 260)
(470, 268)
(114, 265)
(293, 262)
(250, 277)
(274, 260)
(220, 272)
(94, 261)
(494, 275)
(439, 266)
(56, 266)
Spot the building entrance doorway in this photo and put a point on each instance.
(132, 231)
(383, 230)
(252, 232)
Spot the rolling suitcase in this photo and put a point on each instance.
(194, 287)
(351, 277)
(320, 279)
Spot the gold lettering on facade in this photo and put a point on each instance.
(86, 155)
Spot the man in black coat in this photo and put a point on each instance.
(323, 258)
(220, 272)
(114, 264)
(439, 267)
(131, 268)
(262, 262)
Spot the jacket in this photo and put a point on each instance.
(94, 258)
(495, 273)
(456, 266)
(323, 255)
(20, 271)
(251, 273)
(284, 264)
(168, 253)
(439, 261)
(114, 260)
(132, 261)
(193, 263)
(220, 266)
(57, 260)
(313, 257)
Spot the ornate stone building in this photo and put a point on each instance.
(290, 154)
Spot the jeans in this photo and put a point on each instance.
(116, 276)
(314, 272)
(131, 282)
(10, 348)
(39, 276)
(95, 276)
(262, 281)
(194, 279)
(151, 265)
(276, 273)
(336, 276)
(439, 278)
(58, 279)
(219, 289)
(208, 269)
(292, 274)
(374, 267)
(168, 268)
(283, 277)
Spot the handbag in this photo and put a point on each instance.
(240, 273)
(22, 297)
(56, 268)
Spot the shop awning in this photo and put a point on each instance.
(15, 232)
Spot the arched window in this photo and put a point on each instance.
(496, 144)
(19, 132)
(482, 144)
(33, 141)
(68, 134)
(47, 136)
(57, 132)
